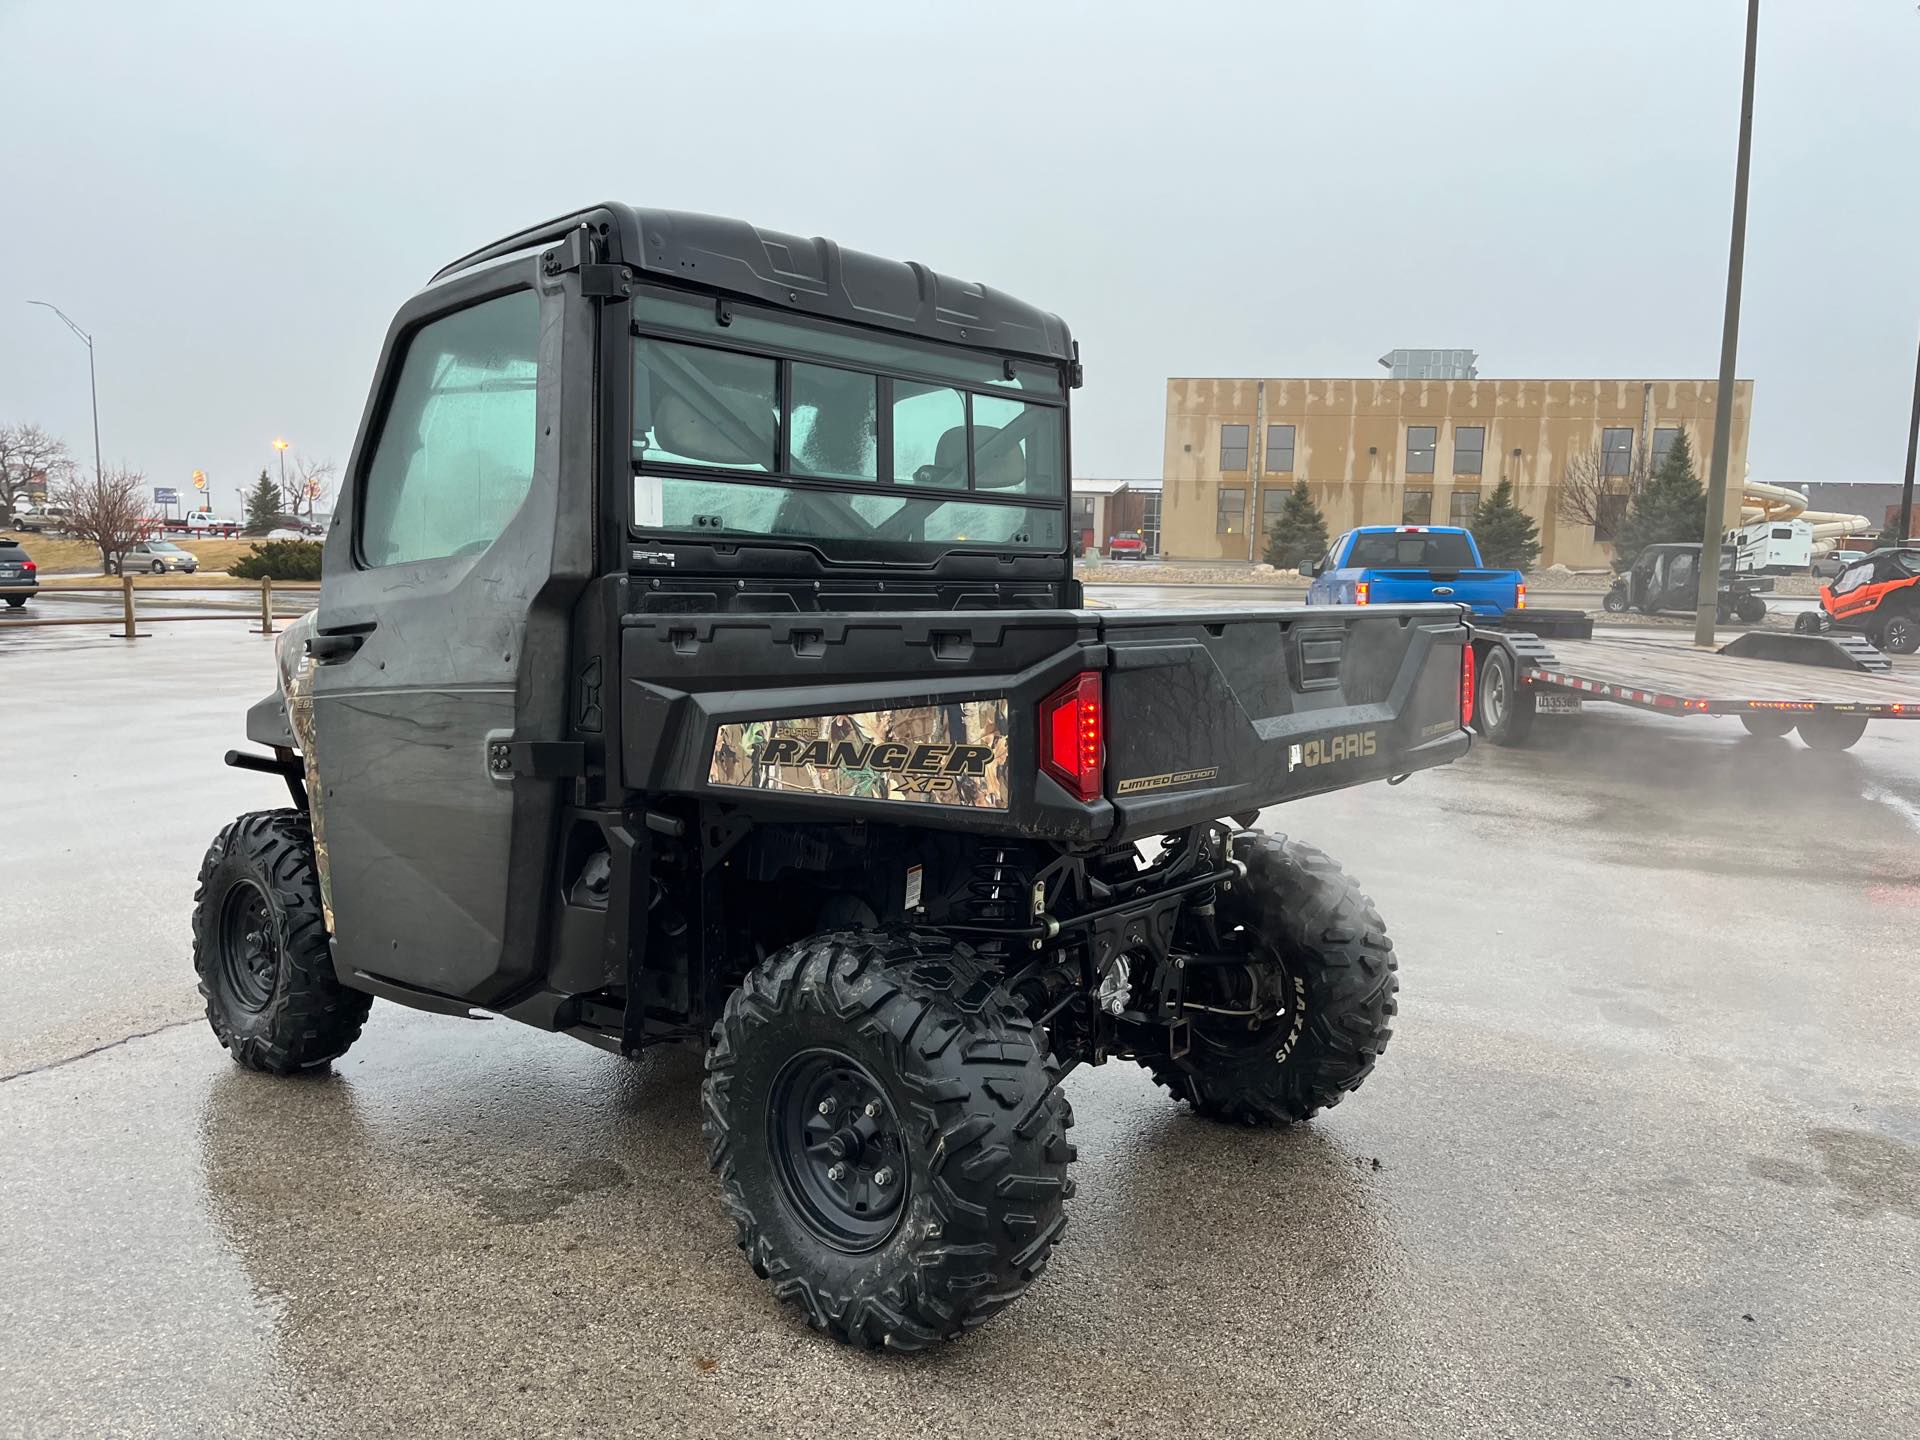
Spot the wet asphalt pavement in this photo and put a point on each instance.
(1643, 1158)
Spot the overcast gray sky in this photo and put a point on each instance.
(235, 196)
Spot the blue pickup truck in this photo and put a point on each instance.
(1395, 564)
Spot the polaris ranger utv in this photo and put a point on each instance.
(698, 658)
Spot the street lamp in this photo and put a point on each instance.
(92, 389)
(281, 446)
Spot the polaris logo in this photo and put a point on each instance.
(1352, 745)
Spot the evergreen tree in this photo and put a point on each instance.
(1670, 508)
(1299, 535)
(1508, 537)
(263, 505)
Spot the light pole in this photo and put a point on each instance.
(281, 446)
(92, 389)
(1707, 601)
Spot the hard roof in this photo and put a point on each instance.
(811, 276)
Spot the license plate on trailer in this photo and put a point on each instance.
(1549, 702)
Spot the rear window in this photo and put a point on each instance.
(1401, 551)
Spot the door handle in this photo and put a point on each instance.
(327, 649)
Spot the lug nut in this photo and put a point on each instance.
(873, 1108)
(883, 1176)
(826, 1106)
(836, 1171)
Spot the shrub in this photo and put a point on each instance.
(279, 560)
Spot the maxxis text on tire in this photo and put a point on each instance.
(289, 1012)
(983, 1133)
(1341, 981)
(1502, 707)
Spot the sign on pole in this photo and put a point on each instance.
(199, 479)
(165, 495)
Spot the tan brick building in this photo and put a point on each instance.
(1387, 452)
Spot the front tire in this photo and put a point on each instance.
(1615, 600)
(260, 949)
(1502, 707)
(1321, 960)
(1751, 609)
(888, 1135)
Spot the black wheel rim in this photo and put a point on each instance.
(839, 1150)
(248, 956)
(1899, 633)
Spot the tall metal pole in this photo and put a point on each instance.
(93, 390)
(1913, 442)
(1707, 606)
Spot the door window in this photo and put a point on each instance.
(455, 455)
(1853, 579)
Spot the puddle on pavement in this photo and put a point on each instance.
(1871, 1173)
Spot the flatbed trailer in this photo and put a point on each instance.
(1827, 687)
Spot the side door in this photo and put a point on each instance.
(441, 636)
(1321, 591)
(1854, 593)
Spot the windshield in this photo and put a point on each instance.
(1411, 551)
(731, 438)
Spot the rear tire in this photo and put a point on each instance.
(1331, 966)
(1615, 602)
(1832, 732)
(1768, 726)
(957, 1089)
(1502, 707)
(260, 948)
(1900, 633)
(1751, 609)
(14, 602)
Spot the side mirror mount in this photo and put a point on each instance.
(1310, 570)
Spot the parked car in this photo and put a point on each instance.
(18, 574)
(1127, 545)
(1828, 566)
(42, 521)
(198, 522)
(1402, 564)
(158, 557)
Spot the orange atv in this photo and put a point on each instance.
(1878, 595)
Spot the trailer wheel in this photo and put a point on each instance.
(1615, 601)
(1502, 707)
(888, 1135)
(1832, 732)
(1768, 726)
(1319, 975)
(260, 949)
(1751, 609)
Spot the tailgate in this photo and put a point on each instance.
(1217, 714)
(1489, 592)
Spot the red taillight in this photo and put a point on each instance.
(1466, 685)
(1360, 592)
(1071, 726)
(1520, 597)
(31, 567)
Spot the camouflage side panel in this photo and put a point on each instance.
(296, 684)
(953, 754)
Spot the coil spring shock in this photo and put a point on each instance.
(999, 889)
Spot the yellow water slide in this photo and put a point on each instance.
(1761, 501)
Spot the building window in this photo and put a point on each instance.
(1616, 451)
(1462, 506)
(1272, 499)
(1417, 508)
(1613, 514)
(1233, 447)
(1420, 447)
(1280, 449)
(1231, 517)
(1663, 439)
(1469, 448)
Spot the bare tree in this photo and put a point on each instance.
(32, 462)
(310, 485)
(110, 511)
(1585, 487)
